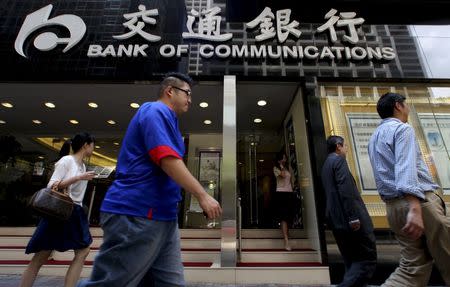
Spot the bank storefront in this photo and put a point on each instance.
(265, 81)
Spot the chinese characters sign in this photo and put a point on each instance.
(206, 25)
(135, 26)
(264, 20)
(345, 19)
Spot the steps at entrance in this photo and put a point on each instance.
(263, 258)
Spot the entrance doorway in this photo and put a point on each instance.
(264, 129)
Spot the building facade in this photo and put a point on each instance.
(273, 76)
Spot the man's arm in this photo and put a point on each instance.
(407, 181)
(344, 188)
(414, 222)
(177, 170)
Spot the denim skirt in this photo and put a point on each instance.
(61, 236)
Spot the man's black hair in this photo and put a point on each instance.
(179, 76)
(386, 104)
(333, 142)
(174, 79)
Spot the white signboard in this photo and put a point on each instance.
(361, 127)
(436, 128)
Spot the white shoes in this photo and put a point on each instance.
(287, 247)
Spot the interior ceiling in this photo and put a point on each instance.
(114, 100)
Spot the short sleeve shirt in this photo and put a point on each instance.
(67, 167)
(141, 188)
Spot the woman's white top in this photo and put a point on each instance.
(283, 183)
(67, 167)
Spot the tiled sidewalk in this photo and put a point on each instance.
(47, 281)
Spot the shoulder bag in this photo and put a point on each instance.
(52, 203)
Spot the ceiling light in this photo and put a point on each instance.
(50, 105)
(38, 122)
(7, 105)
(2, 122)
(262, 103)
(207, 122)
(97, 146)
(261, 160)
(116, 143)
(134, 105)
(93, 105)
(203, 105)
(74, 122)
(257, 121)
(111, 122)
(40, 157)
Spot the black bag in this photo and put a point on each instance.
(51, 203)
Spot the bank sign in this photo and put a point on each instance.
(204, 28)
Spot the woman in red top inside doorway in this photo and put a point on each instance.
(284, 196)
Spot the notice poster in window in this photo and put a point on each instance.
(208, 176)
(361, 127)
(436, 128)
(209, 169)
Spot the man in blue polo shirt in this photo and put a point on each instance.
(141, 241)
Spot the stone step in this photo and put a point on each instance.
(192, 243)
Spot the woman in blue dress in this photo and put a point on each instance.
(73, 234)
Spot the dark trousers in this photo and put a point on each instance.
(358, 249)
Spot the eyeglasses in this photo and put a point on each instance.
(188, 92)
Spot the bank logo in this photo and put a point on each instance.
(48, 41)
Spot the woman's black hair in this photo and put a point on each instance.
(77, 142)
(279, 157)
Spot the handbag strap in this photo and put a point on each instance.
(56, 189)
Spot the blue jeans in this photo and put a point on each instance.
(137, 252)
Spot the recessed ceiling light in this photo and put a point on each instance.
(2, 122)
(97, 146)
(111, 122)
(262, 103)
(38, 122)
(40, 157)
(74, 122)
(257, 121)
(7, 105)
(134, 105)
(207, 122)
(261, 160)
(93, 105)
(116, 143)
(203, 104)
(50, 105)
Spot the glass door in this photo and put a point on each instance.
(262, 110)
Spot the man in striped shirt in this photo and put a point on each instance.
(415, 211)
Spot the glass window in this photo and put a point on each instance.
(32, 133)
(350, 111)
